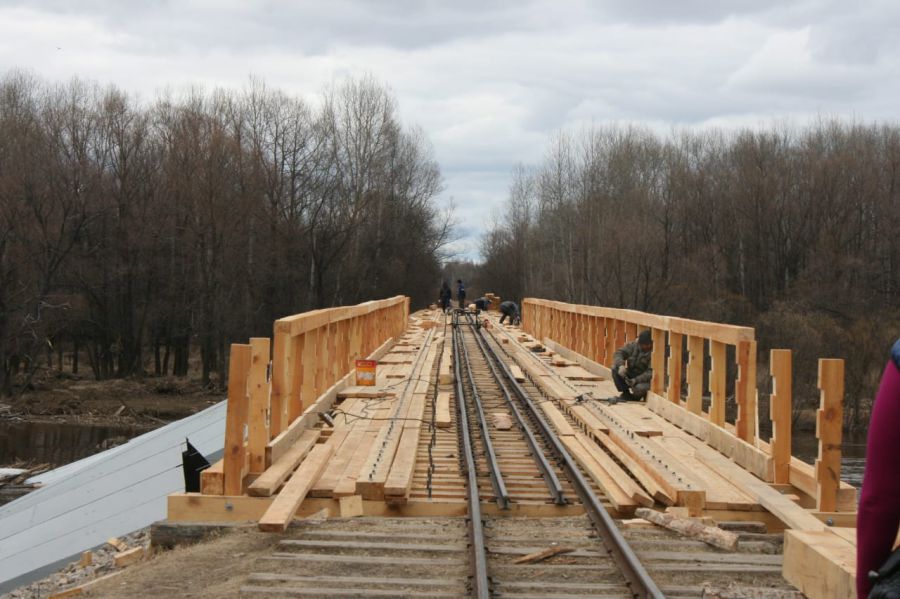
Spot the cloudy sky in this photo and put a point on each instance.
(491, 81)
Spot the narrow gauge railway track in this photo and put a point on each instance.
(489, 561)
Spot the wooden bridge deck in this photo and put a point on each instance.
(391, 450)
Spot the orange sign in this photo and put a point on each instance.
(365, 372)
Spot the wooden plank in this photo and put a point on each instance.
(282, 509)
(752, 458)
(442, 417)
(258, 388)
(345, 440)
(128, 557)
(820, 564)
(236, 420)
(624, 504)
(624, 482)
(351, 506)
(346, 482)
(517, 372)
(695, 375)
(829, 420)
(780, 413)
(783, 508)
(502, 421)
(556, 418)
(268, 482)
(366, 392)
(400, 477)
(539, 556)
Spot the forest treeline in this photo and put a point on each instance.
(793, 231)
(132, 232)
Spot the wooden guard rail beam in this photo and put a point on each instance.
(311, 353)
(596, 332)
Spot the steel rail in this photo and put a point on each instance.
(553, 483)
(636, 576)
(500, 492)
(480, 580)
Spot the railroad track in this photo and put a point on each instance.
(634, 580)
(497, 475)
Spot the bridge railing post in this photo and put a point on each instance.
(780, 413)
(829, 421)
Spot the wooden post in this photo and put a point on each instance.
(308, 364)
(295, 398)
(717, 372)
(258, 387)
(610, 341)
(675, 355)
(780, 413)
(630, 331)
(236, 419)
(695, 374)
(658, 361)
(620, 333)
(745, 392)
(282, 365)
(829, 420)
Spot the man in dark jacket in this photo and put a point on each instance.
(481, 304)
(509, 310)
(631, 370)
(461, 294)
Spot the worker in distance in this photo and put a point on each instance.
(510, 310)
(631, 370)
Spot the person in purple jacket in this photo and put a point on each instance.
(878, 517)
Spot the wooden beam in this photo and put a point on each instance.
(783, 508)
(624, 504)
(236, 420)
(282, 509)
(717, 372)
(822, 565)
(658, 361)
(745, 392)
(673, 390)
(212, 480)
(258, 387)
(442, 410)
(829, 420)
(748, 456)
(268, 482)
(695, 375)
(780, 413)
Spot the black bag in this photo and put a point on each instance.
(886, 582)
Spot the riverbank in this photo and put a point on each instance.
(62, 417)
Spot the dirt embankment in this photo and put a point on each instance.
(143, 402)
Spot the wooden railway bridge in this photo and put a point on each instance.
(483, 448)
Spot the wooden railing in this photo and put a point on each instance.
(596, 332)
(271, 403)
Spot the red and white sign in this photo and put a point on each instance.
(365, 372)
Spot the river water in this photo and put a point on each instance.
(57, 443)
